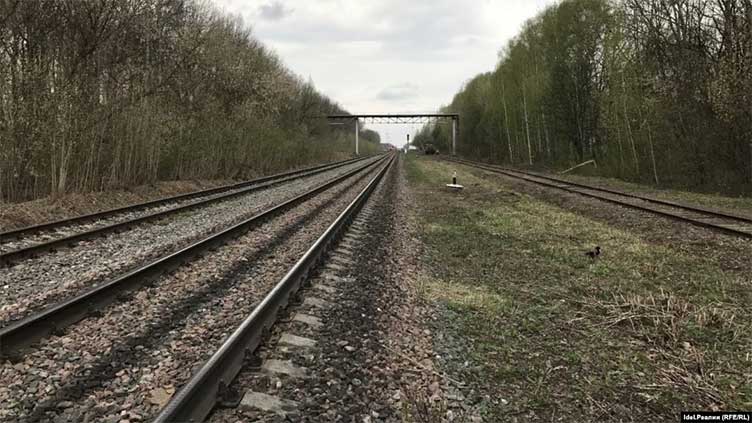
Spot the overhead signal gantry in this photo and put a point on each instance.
(399, 119)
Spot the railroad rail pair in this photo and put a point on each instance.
(718, 220)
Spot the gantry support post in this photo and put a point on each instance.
(454, 136)
(356, 136)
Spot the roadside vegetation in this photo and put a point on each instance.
(655, 91)
(106, 94)
(541, 332)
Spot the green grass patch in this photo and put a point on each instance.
(643, 332)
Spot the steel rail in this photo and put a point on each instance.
(690, 207)
(27, 230)
(195, 400)
(22, 333)
(13, 256)
(560, 184)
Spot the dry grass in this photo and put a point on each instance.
(664, 322)
(664, 318)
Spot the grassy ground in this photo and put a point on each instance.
(642, 333)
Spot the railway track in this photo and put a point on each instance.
(21, 243)
(142, 340)
(713, 219)
(49, 278)
(53, 318)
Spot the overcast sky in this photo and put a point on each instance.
(386, 56)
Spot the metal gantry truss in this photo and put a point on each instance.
(407, 118)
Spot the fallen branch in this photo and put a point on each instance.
(580, 165)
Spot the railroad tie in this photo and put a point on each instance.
(292, 340)
(337, 279)
(343, 250)
(265, 402)
(351, 244)
(316, 303)
(342, 260)
(325, 288)
(335, 267)
(312, 321)
(285, 367)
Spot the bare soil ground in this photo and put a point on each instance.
(27, 213)
(658, 324)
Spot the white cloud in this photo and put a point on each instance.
(387, 56)
(398, 92)
(274, 11)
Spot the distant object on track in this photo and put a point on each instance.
(430, 150)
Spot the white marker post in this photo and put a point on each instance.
(454, 185)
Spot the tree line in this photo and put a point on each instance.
(99, 94)
(656, 91)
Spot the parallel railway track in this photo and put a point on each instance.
(18, 335)
(21, 243)
(718, 220)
